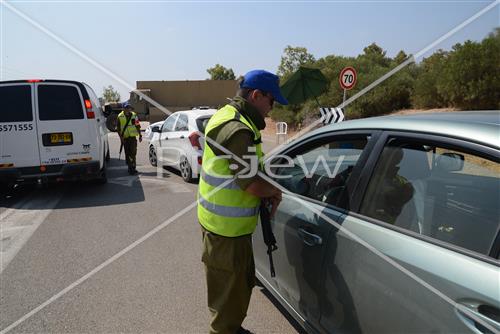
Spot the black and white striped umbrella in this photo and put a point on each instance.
(331, 115)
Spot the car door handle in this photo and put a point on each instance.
(479, 316)
(309, 239)
(181, 137)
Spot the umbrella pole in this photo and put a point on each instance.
(315, 98)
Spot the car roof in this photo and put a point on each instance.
(476, 126)
(195, 113)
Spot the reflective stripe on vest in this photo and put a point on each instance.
(227, 211)
(131, 130)
(223, 207)
(215, 181)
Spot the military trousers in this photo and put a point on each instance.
(230, 276)
(130, 147)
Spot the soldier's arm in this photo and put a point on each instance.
(137, 124)
(237, 138)
(255, 185)
(119, 129)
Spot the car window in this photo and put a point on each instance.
(16, 104)
(443, 193)
(169, 123)
(201, 122)
(182, 123)
(59, 102)
(322, 172)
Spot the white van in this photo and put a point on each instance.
(51, 129)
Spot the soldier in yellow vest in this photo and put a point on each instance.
(128, 129)
(228, 205)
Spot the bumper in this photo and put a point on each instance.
(66, 171)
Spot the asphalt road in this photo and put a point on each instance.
(72, 258)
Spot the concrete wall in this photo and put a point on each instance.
(190, 94)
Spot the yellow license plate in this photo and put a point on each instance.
(58, 138)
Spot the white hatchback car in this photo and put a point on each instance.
(180, 140)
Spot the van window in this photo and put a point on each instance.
(59, 102)
(16, 104)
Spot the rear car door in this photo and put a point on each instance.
(63, 129)
(18, 128)
(300, 232)
(419, 254)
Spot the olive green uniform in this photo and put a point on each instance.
(130, 141)
(229, 262)
(130, 148)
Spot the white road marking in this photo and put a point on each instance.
(17, 225)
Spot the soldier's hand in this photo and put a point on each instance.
(275, 202)
(140, 139)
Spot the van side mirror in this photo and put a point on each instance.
(450, 162)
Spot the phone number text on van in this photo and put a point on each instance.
(16, 127)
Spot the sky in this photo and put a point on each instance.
(120, 42)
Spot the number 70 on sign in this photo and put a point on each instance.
(347, 78)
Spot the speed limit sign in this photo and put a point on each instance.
(348, 78)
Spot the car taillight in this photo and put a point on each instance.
(34, 80)
(194, 140)
(88, 106)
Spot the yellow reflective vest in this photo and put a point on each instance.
(131, 130)
(223, 207)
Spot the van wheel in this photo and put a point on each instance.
(4, 188)
(186, 171)
(153, 159)
(102, 178)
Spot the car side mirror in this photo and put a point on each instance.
(450, 162)
(155, 129)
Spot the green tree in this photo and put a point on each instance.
(471, 74)
(219, 72)
(400, 57)
(425, 94)
(375, 54)
(109, 94)
(292, 58)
